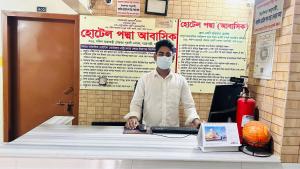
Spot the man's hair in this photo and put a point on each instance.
(165, 43)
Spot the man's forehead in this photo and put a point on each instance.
(164, 49)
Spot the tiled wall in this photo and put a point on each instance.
(98, 105)
(291, 132)
(279, 98)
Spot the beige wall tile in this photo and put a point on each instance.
(287, 21)
(293, 95)
(295, 48)
(280, 102)
(289, 158)
(287, 39)
(296, 38)
(278, 120)
(295, 67)
(292, 123)
(282, 67)
(270, 83)
(293, 132)
(294, 83)
(283, 85)
(287, 30)
(283, 57)
(292, 113)
(294, 77)
(265, 115)
(260, 90)
(296, 28)
(267, 107)
(288, 3)
(281, 94)
(291, 150)
(277, 138)
(292, 141)
(293, 104)
(277, 147)
(268, 123)
(297, 8)
(278, 111)
(268, 99)
(282, 76)
(276, 129)
(269, 92)
(284, 48)
(289, 11)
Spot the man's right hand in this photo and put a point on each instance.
(132, 122)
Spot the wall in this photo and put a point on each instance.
(291, 132)
(53, 6)
(113, 105)
(279, 98)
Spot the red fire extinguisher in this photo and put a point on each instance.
(245, 110)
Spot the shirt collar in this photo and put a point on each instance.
(170, 75)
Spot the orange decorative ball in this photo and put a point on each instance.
(256, 134)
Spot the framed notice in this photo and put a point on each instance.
(218, 137)
(264, 55)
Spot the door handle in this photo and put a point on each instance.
(69, 105)
(61, 103)
(65, 103)
(68, 90)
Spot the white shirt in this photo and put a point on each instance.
(161, 100)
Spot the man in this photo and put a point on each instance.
(162, 90)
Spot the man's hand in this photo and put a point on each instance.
(196, 123)
(132, 122)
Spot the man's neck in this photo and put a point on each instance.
(163, 72)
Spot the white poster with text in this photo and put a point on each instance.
(264, 54)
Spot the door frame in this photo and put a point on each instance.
(8, 67)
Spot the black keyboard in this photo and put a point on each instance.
(174, 130)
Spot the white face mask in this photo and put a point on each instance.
(164, 62)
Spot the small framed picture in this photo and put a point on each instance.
(156, 7)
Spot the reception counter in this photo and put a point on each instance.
(89, 147)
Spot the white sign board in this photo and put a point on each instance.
(128, 7)
(218, 137)
(268, 15)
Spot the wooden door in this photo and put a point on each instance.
(41, 69)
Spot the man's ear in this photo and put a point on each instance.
(155, 56)
(173, 58)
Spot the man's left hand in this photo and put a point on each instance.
(196, 123)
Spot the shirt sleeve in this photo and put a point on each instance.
(137, 101)
(188, 103)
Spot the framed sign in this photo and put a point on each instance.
(156, 7)
(218, 137)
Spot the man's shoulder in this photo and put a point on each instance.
(178, 76)
(148, 74)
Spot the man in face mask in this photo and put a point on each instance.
(161, 91)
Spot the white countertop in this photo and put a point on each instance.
(98, 142)
(59, 120)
